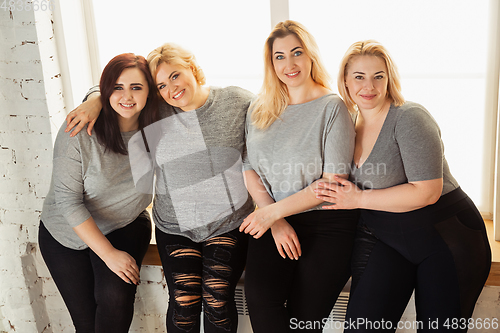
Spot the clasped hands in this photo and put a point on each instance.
(343, 194)
(285, 237)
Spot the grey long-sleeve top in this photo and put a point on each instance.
(86, 181)
(197, 159)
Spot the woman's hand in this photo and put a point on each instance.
(123, 265)
(344, 195)
(87, 112)
(286, 239)
(257, 223)
(119, 262)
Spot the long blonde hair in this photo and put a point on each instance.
(370, 48)
(273, 97)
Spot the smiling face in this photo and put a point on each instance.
(178, 86)
(366, 80)
(129, 97)
(291, 64)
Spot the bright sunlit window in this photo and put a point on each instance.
(226, 36)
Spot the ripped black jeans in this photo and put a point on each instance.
(202, 276)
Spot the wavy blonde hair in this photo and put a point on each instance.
(273, 97)
(174, 54)
(370, 48)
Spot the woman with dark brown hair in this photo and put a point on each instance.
(95, 230)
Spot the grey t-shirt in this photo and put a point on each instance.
(307, 140)
(197, 159)
(87, 182)
(409, 148)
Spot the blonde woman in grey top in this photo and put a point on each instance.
(298, 131)
(418, 231)
(94, 230)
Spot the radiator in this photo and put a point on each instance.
(335, 320)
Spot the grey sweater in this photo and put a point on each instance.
(307, 140)
(88, 182)
(196, 157)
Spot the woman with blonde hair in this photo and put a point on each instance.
(298, 131)
(418, 231)
(200, 197)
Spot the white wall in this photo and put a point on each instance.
(25, 155)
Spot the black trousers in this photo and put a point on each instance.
(441, 251)
(97, 299)
(202, 276)
(283, 294)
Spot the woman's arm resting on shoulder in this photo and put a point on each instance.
(120, 262)
(87, 112)
(396, 199)
(284, 235)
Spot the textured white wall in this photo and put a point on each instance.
(25, 149)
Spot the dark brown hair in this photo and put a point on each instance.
(107, 127)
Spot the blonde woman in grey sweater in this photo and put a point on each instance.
(298, 131)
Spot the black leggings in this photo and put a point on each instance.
(97, 299)
(283, 294)
(202, 273)
(441, 251)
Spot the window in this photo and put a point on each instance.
(226, 36)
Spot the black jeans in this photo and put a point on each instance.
(205, 274)
(284, 294)
(441, 251)
(97, 299)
